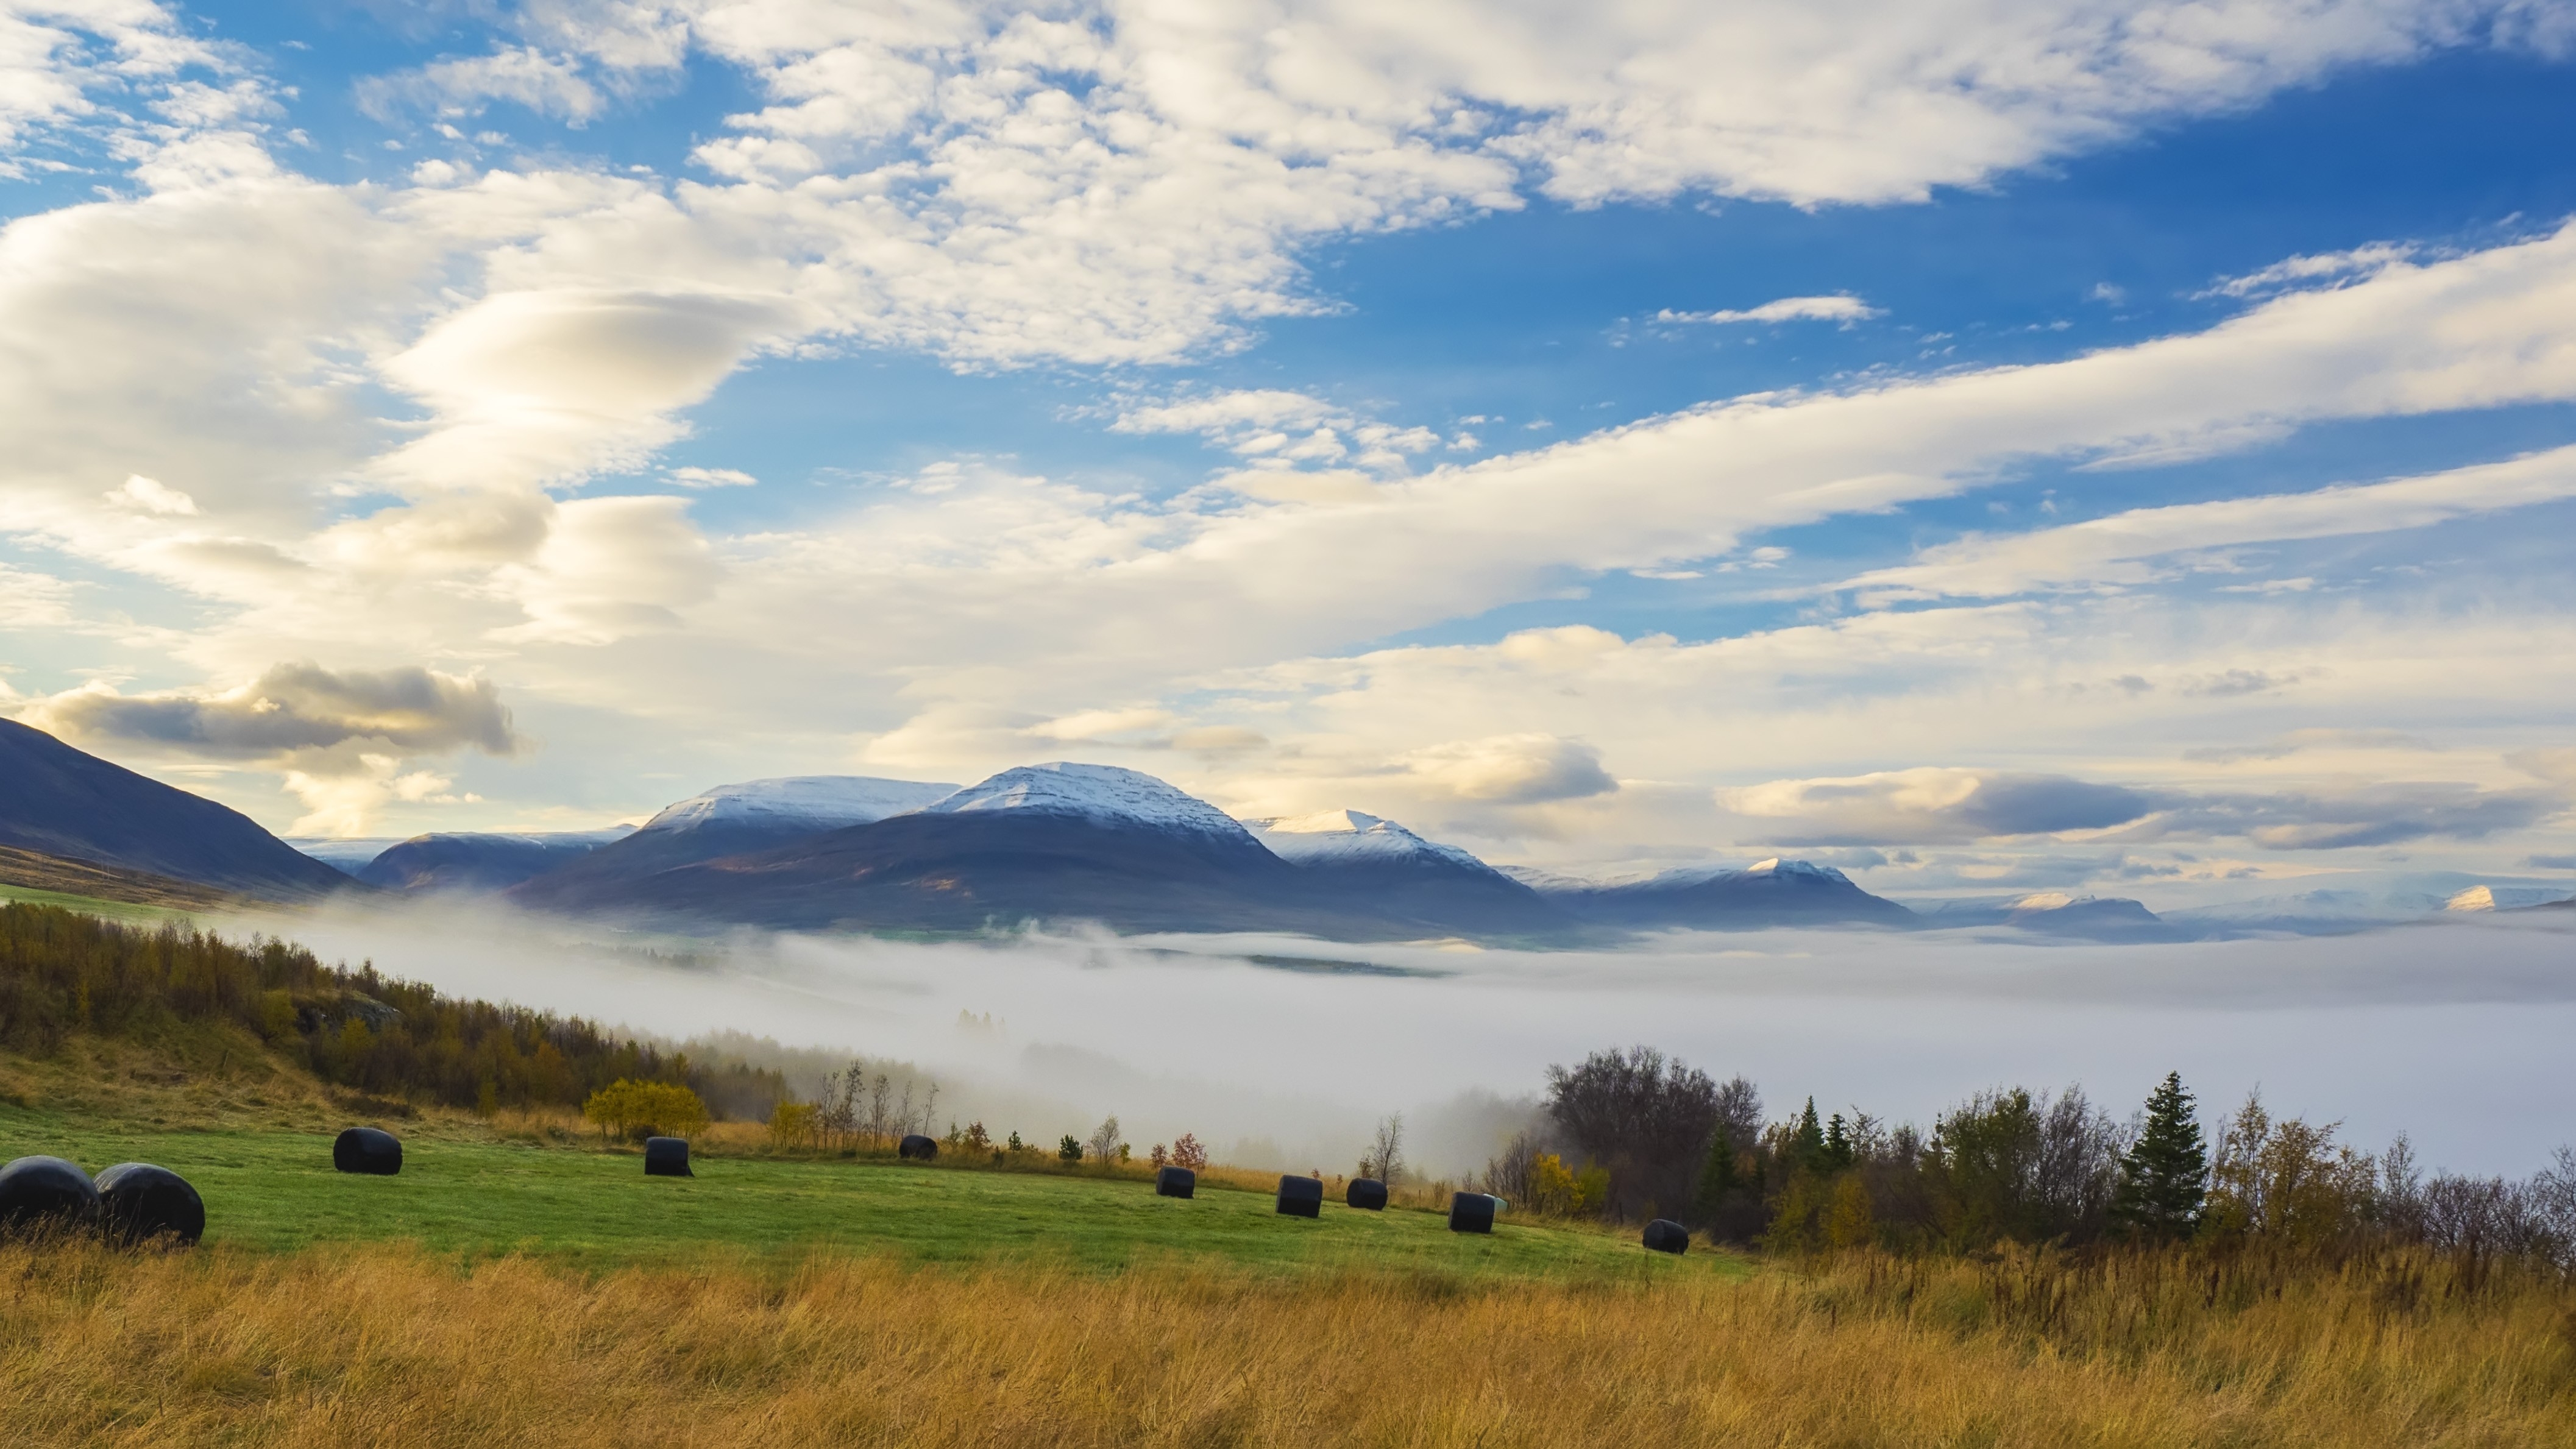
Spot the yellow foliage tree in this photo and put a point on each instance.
(793, 1124)
(1847, 1220)
(662, 1108)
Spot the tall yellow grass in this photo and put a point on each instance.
(385, 1346)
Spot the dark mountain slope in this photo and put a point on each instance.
(59, 801)
(478, 862)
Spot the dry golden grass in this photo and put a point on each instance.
(382, 1345)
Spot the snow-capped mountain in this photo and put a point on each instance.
(1333, 837)
(807, 804)
(1057, 842)
(2054, 913)
(480, 861)
(2368, 900)
(1774, 892)
(1104, 794)
(754, 815)
(1364, 858)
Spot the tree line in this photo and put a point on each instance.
(63, 973)
(1654, 1137)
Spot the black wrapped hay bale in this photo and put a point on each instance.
(140, 1202)
(364, 1149)
(1175, 1182)
(1663, 1235)
(1301, 1197)
(918, 1146)
(1367, 1193)
(41, 1192)
(667, 1157)
(1471, 1212)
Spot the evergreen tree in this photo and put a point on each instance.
(1807, 1144)
(1839, 1149)
(1716, 1173)
(2165, 1176)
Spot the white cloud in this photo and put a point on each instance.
(1842, 307)
(2121, 550)
(550, 85)
(2336, 267)
(711, 478)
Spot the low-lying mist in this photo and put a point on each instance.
(1284, 1052)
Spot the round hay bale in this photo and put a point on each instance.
(1663, 1235)
(918, 1147)
(45, 1192)
(364, 1149)
(140, 1202)
(1301, 1197)
(667, 1157)
(1366, 1193)
(1472, 1212)
(1175, 1182)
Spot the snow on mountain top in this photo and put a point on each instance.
(825, 802)
(2475, 898)
(1680, 878)
(2047, 901)
(1339, 837)
(522, 837)
(1093, 792)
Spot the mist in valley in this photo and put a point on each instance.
(1284, 1052)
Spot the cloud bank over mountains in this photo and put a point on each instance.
(328, 478)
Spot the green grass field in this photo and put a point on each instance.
(276, 1190)
(130, 913)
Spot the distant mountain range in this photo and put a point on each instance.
(479, 862)
(1071, 842)
(58, 801)
(1060, 843)
(2055, 913)
(1768, 893)
(742, 819)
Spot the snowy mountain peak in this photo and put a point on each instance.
(1330, 822)
(1335, 837)
(1795, 869)
(2048, 901)
(822, 802)
(1093, 792)
(2475, 898)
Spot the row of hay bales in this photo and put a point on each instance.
(132, 1202)
(1469, 1212)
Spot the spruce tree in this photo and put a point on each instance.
(2165, 1175)
(1717, 1173)
(1807, 1144)
(1840, 1150)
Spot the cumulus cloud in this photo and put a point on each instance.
(1525, 769)
(289, 709)
(1842, 307)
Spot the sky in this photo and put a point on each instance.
(1989, 447)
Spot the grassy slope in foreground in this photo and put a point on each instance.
(276, 1190)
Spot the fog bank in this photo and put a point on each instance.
(1283, 1051)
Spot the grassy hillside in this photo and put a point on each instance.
(275, 1190)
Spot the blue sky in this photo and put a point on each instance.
(520, 416)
